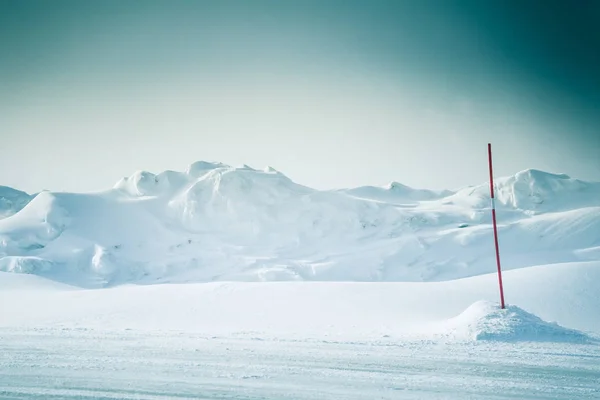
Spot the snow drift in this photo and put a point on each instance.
(216, 222)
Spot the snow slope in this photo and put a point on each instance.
(214, 222)
(452, 310)
(12, 201)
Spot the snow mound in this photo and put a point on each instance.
(12, 201)
(534, 191)
(485, 320)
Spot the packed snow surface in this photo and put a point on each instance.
(83, 364)
(220, 223)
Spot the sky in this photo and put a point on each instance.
(334, 93)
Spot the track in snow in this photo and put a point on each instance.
(86, 364)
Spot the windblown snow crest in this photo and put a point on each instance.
(217, 222)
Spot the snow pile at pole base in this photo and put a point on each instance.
(215, 222)
(485, 320)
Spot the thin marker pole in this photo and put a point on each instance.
(495, 227)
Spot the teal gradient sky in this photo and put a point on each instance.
(332, 93)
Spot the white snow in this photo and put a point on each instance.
(488, 321)
(215, 222)
(234, 282)
(563, 293)
(395, 193)
(85, 364)
(12, 201)
(305, 340)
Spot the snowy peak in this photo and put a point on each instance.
(144, 183)
(533, 191)
(171, 183)
(199, 168)
(416, 194)
(141, 183)
(270, 170)
(531, 188)
(398, 187)
(532, 174)
(395, 193)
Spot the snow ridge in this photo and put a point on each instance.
(217, 222)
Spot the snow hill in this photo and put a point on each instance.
(215, 222)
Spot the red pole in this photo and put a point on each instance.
(495, 227)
